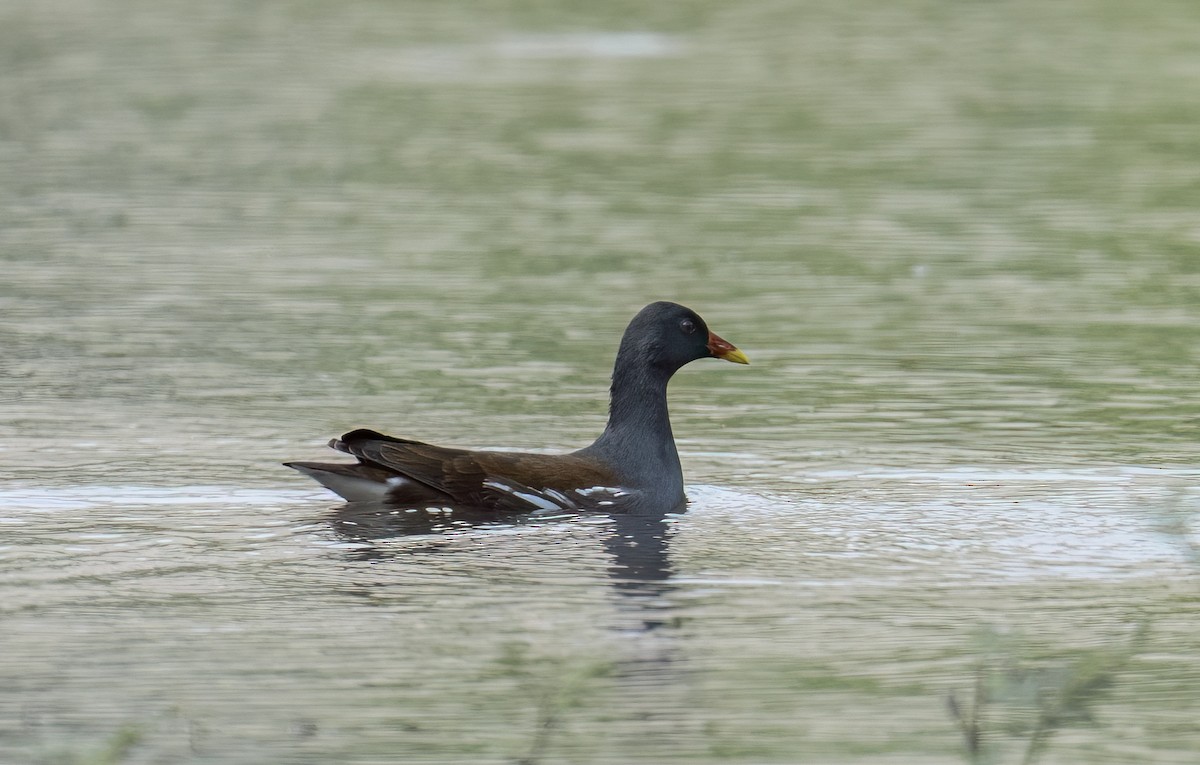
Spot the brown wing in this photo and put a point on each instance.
(496, 480)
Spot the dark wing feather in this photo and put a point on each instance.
(508, 481)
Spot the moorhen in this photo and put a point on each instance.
(633, 462)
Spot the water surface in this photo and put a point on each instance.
(958, 242)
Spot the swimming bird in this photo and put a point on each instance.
(633, 462)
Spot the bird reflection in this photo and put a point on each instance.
(366, 523)
(637, 540)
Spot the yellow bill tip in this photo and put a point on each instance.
(736, 356)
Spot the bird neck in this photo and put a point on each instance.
(638, 436)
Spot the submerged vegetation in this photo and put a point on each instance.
(1020, 699)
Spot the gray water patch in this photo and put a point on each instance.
(42, 500)
(1088, 527)
(515, 58)
(589, 45)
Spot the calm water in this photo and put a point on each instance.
(955, 498)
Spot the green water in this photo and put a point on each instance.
(958, 240)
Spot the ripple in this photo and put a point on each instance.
(976, 525)
(88, 497)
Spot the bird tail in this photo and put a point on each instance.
(351, 482)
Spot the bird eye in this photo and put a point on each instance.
(688, 326)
